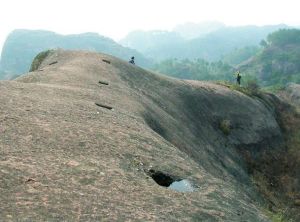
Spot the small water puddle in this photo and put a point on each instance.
(182, 186)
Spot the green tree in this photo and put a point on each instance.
(284, 37)
(263, 43)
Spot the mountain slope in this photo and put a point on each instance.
(21, 46)
(65, 158)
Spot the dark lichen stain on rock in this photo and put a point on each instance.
(103, 106)
(102, 82)
(52, 63)
(106, 61)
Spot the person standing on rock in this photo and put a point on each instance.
(238, 77)
(132, 60)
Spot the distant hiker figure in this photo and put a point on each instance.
(238, 78)
(132, 60)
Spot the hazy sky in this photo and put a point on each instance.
(115, 18)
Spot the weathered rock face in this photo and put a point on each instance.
(63, 157)
(293, 93)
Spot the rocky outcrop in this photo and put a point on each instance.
(65, 158)
(293, 93)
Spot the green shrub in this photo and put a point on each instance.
(225, 126)
(275, 216)
(37, 61)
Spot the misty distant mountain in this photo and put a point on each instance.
(191, 30)
(155, 44)
(21, 46)
(212, 46)
(217, 44)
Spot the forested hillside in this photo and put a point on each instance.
(196, 69)
(278, 62)
(274, 63)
